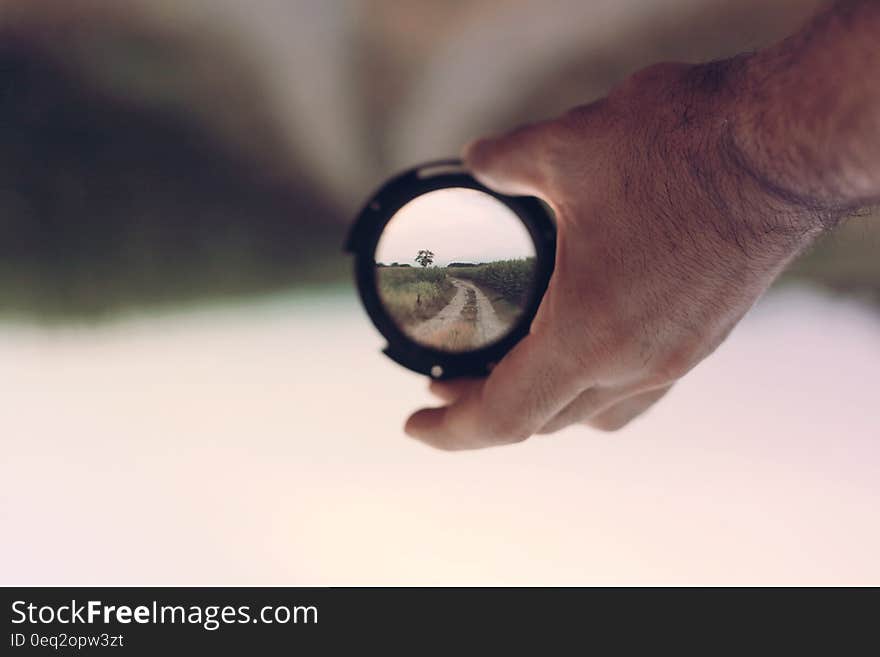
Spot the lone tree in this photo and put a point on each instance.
(425, 257)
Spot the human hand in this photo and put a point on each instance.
(665, 239)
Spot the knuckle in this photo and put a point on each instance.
(506, 428)
(671, 366)
(548, 429)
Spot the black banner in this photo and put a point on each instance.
(116, 621)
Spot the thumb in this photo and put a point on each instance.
(513, 163)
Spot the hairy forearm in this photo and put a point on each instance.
(808, 111)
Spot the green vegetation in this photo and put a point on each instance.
(506, 282)
(107, 205)
(412, 295)
(511, 280)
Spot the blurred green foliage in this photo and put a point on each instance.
(112, 197)
(846, 261)
(106, 205)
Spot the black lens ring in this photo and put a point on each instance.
(364, 238)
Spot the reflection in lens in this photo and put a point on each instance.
(454, 269)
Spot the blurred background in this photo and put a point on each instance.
(192, 393)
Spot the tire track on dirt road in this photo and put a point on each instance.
(468, 321)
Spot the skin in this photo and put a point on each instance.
(679, 198)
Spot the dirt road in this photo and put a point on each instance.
(468, 322)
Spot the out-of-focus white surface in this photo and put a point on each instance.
(262, 444)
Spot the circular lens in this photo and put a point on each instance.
(454, 270)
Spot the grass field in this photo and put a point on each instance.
(413, 294)
(507, 283)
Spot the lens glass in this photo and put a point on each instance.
(454, 269)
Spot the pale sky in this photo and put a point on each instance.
(458, 225)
